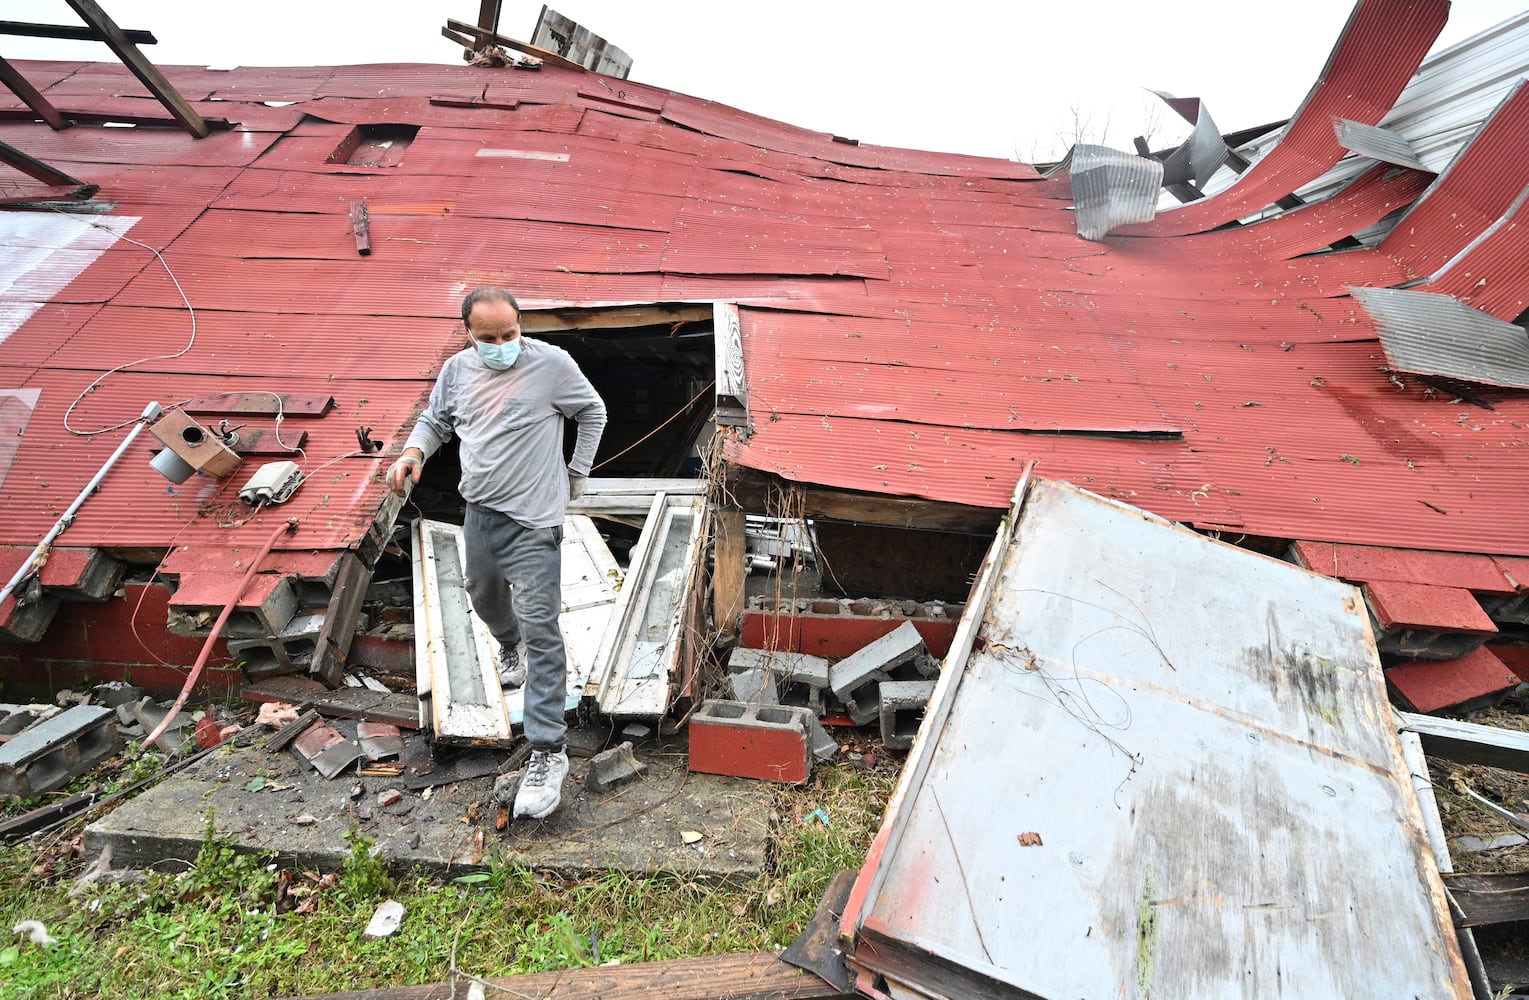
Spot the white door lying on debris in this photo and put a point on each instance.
(639, 658)
(456, 659)
(1155, 765)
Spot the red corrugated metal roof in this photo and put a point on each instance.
(1381, 47)
(914, 324)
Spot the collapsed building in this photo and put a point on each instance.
(858, 351)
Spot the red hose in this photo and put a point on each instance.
(287, 526)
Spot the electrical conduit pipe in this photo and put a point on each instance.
(286, 527)
(150, 414)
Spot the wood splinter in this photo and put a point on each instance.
(360, 222)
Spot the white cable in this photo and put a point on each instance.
(157, 357)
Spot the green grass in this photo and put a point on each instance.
(235, 926)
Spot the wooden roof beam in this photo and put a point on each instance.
(71, 32)
(485, 37)
(146, 72)
(35, 168)
(31, 96)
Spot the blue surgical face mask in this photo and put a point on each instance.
(498, 356)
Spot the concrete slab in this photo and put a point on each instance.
(257, 797)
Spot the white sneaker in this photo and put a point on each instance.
(512, 666)
(541, 790)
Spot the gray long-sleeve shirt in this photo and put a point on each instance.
(510, 424)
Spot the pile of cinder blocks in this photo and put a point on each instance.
(770, 727)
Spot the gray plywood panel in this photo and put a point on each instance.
(1199, 740)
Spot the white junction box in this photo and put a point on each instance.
(273, 482)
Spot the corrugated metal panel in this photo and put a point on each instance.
(1201, 155)
(1380, 49)
(535, 246)
(1157, 772)
(726, 239)
(967, 285)
(1437, 335)
(1480, 187)
(1445, 103)
(1492, 274)
(1369, 198)
(137, 508)
(729, 123)
(99, 144)
(1377, 143)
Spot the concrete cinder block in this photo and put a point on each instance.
(902, 707)
(266, 604)
(45, 756)
(853, 678)
(768, 742)
(289, 652)
(115, 693)
(613, 768)
(822, 745)
(788, 667)
(756, 686)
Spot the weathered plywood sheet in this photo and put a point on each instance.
(1196, 744)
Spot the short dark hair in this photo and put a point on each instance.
(487, 293)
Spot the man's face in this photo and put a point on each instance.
(493, 322)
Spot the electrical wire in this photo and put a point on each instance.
(190, 342)
(677, 414)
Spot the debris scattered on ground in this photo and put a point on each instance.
(35, 932)
(388, 916)
(276, 714)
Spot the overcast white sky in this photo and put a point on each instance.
(1012, 79)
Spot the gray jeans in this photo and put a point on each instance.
(515, 580)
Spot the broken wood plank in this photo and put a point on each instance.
(755, 491)
(251, 403)
(485, 37)
(749, 976)
(1469, 742)
(472, 102)
(31, 96)
(729, 568)
(53, 193)
(340, 617)
(732, 386)
(71, 32)
(617, 318)
(147, 73)
(1490, 899)
(278, 740)
(348, 703)
(78, 117)
(33, 820)
(360, 226)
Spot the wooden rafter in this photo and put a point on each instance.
(31, 96)
(71, 32)
(35, 168)
(486, 37)
(147, 73)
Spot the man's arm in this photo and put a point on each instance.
(580, 402)
(432, 430)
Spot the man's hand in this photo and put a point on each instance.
(407, 468)
(576, 484)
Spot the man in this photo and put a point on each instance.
(506, 398)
